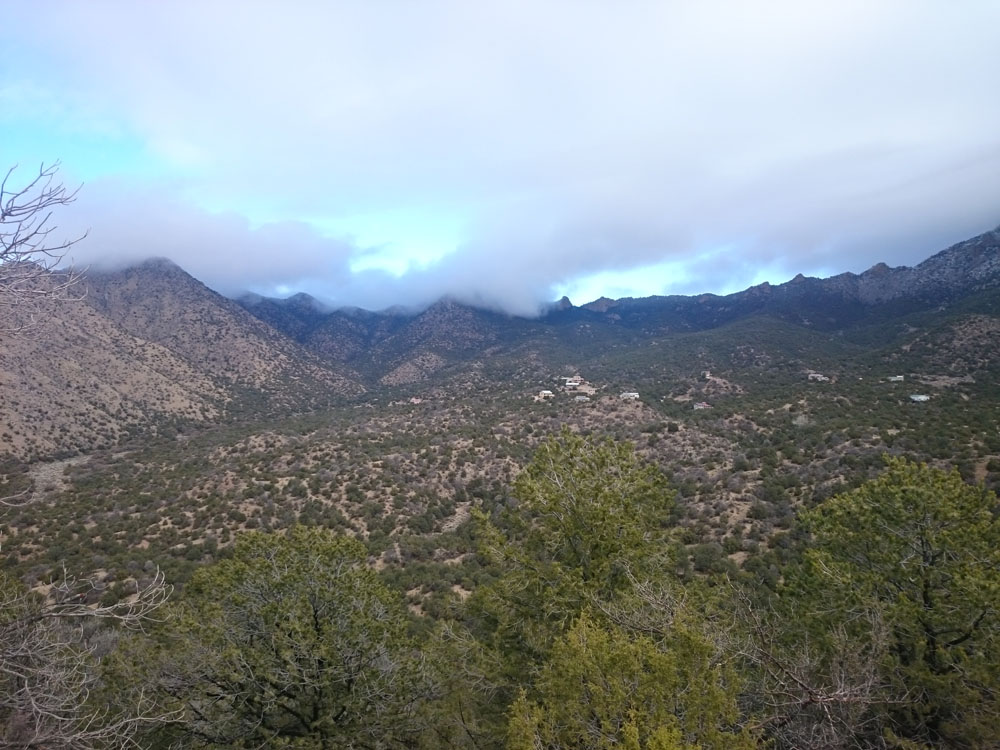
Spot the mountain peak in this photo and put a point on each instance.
(249, 299)
(879, 269)
(159, 264)
(303, 301)
(603, 304)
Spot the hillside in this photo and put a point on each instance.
(193, 423)
(143, 349)
(150, 347)
(789, 416)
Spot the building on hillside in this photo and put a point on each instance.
(895, 378)
(818, 377)
(702, 405)
(582, 398)
(628, 396)
(919, 397)
(545, 394)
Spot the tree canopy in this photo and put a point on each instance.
(291, 642)
(605, 688)
(891, 626)
(590, 513)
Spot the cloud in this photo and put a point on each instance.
(126, 223)
(567, 139)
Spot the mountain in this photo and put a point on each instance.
(878, 294)
(296, 316)
(395, 347)
(149, 349)
(145, 349)
(161, 303)
(754, 404)
(399, 348)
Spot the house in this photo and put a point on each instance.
(702, 405)
(545, 394)
(919, 397)
(582, 398)
(818, 377)
(628, 396)
(574, 382)
(895, 378)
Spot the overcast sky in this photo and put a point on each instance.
(390, 152)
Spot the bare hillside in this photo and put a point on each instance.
(142, 349)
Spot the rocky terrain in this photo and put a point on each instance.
(144, 349)
(189, 419)
(150, 349)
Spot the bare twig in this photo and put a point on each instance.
(29, 259)
(806, 699)
(47, 668)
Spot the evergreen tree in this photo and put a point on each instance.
(891, 626)
(589, 514)
(606, 689)
(292, 642)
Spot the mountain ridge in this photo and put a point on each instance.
(372, 341)
(149, 349)
(865, 285)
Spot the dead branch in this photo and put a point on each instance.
(48, 669)
(30, 259)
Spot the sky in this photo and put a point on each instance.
(390, 152)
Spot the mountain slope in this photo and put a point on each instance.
(161, 303)
(395, 348)
(848, 299)
(76, 381)
(391, 348)
(149, 348)
(143, 349)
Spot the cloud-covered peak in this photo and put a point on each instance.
(508, 153)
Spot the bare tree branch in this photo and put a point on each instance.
(803, 698)
(48, 661)
(47, 666)
(30, 258)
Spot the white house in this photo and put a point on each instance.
(628, 396)
(919, 397)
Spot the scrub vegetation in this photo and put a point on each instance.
(748, 536)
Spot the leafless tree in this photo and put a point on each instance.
(799, 694)
(48, 659)
(47, 666)
(30, 263)
(31, 259)
(804, 695)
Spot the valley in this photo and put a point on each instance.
(154, 428)
(500, 376)
(790, 416)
